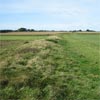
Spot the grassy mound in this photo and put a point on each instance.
(32, 72)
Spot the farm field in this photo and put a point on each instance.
(31, 33)
(34, 35)
(26, 35)
(50, 67)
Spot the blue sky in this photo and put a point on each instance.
(50, 14)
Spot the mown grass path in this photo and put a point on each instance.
(83, 52)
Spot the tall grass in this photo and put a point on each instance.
(64, 67)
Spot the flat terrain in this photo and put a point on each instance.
(44, 33)
(35, 35)
(31, 33)
(50, 67)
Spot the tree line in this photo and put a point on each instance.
(18, 30)
(33, 30)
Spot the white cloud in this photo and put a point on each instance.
(51, 7)
(74, 12)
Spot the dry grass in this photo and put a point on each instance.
(31, 33)
(46, 33)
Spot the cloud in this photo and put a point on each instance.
(56, 9)
(58, 14)
(30, 6)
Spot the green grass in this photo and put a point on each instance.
(63, 67)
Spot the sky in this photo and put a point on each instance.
(50, 14)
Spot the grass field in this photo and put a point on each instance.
(55, 67)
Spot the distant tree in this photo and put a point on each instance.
(80, 30)
(88, 30)
(5, 31)
(22, 30)
(32, 30)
